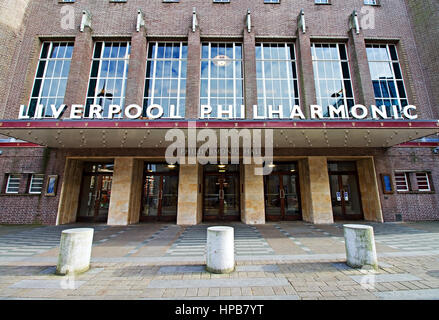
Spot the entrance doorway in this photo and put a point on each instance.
(95, 195)
(345, 194)
(221, 193)
(160, 193)
(282, 193)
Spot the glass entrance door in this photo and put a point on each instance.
(282, 196)
(221, 193)
(95, 193)
(345, 194)
(160, 193)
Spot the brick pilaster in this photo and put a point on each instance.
(193, 75)
(306, 72)
(77, 83)
(136, 69)
(360, 72)
(250, 83)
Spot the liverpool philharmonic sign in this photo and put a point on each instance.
(155, 111)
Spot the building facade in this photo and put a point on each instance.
(186, 54)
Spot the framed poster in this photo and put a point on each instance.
(51, 185)
(387, 183)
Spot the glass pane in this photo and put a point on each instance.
(104, 185)
(231, 195)
(151, 189)
(211, 195)
(292, 200)
(169, 196)
(88, 196)
(335, 195)
(272, 195)
(351, 194)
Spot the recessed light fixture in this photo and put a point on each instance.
(271, 165)
(171, 166)
(222, 166)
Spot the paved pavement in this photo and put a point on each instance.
(282, 260)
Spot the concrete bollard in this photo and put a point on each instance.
(75, 251)
(360, 246)
(220, 250)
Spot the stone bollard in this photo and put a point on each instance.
(360, 246)
(75, 251)
(220, 250)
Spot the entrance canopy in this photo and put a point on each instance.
(286, 134)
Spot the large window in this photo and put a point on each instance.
(276, 75)
(222, 77)
(108, 75)
(165, 83)
(386, 76)
(51, 77)
(332, 76)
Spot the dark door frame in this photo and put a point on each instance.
(282, 215)
(158, 217)
(220, 216)
(345, 216)
(95, 217)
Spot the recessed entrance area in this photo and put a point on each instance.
(221, 196)
(160, 192)
(282, 193)
(345, 191)
(95, 194)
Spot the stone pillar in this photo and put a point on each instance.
(71, 186)
(125, 192)
(250, 83)
(370, 198)
(193, 75)
(360, 72)
(315, 190)
(190, 204)
(306, 71)
(136, 69)
(253, 204)
(77, 83)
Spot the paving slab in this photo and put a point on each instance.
(426, 294)
(48, 284)
(219, 283)
(386, 277)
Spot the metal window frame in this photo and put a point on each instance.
(9, 180)
(289, 76)
(43, 78)
(340, 61)
(234, 78)
(126, 59)
(390, 61)
(32, 181)
(179, 78)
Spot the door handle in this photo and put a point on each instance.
(221, 194)
(282, 193)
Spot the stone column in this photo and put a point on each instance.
(306, 71)
(189, 210)
(253, 204)
(250, 83)
(370, 198)
(125, 192)
(77, 83)
(193, 75)
(360, 72)
(315, 190)
(71, 186)
(136, 69)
